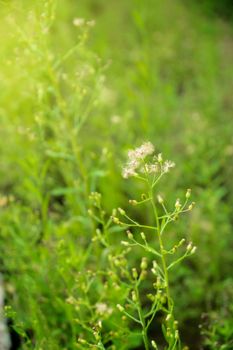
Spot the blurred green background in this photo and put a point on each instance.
(73, 100)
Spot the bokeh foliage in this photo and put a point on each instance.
(73, 100)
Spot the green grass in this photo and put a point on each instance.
(73, 101)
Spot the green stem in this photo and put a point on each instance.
(142, 320)
(163, 259)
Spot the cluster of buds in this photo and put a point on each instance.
(95, 198)
(155, 268)
(190, 248)
(116, 220)
(143, 236)
(176, 246)
(172, 332)
(178, 204)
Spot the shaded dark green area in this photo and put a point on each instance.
(215, 8)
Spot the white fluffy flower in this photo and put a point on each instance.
(135, 158)
(141, 152)
(168, 164)
(78, 22)
(103, 309)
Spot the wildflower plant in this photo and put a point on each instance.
(149, 168)
(68, 282)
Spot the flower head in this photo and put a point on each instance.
(135, 158)
(103, 309)
(137, 164)
(168, 164)
(141, 152)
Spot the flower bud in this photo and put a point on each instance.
(143, 274)
(188, 193)
(115, 220)
(177, 204)
(189, 247)
(82, 341)
(168, 332)
(144, 264)
(120, 308)
(90, 212)
(130, 235)
(114, 212)
(190, 207)
(151, 297)
(181, 242)
(158, 283)
(134, 273)
(133, 202)
(98, 232)
(96, 335)
(121, 211)
(193, 250)
(134, 296)
(160, 158)
(160, 199)
(154, 346)
(143, 236)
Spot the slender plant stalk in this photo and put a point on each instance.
(142, 320)
(163, 258)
